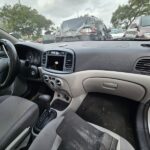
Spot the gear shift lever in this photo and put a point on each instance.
(44, 102)
(47, 114)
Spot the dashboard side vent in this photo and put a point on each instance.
(44, 58)
(143, 65)
(69, 60)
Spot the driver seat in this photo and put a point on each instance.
(16, 115)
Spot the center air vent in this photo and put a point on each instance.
(143, 65)
(44, 58)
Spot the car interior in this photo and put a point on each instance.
(84, 95)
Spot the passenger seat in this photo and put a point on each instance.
(70, 132)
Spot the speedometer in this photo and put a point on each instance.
(30, 56)
(37, 59)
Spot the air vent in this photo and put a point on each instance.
(69, 60)
(44, 58)
(143, 65)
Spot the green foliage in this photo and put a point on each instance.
(125, 14)
(23, 19)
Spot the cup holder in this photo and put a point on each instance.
(59, 105)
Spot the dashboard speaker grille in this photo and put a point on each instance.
(143, 65)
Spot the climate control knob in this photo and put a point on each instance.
(46, 78)
(58, 82)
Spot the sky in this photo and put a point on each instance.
(60, 10)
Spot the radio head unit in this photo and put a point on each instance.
(58, 61)
(55, 62)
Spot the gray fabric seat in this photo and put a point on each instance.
(16, 114)
(48, 139)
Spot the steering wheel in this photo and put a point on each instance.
(8, 66)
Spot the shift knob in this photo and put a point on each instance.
(44, 101)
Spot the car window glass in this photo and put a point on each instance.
(145, 21)
(135, 23)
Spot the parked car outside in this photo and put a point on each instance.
(139, 28)
(83, 29)
(117, 33)
(48, 37)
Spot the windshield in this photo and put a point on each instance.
(146, 21)
(49, 21)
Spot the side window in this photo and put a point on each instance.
(100, 25)
(135, 23)
(132, 26)
(97, 25)
(105, 29)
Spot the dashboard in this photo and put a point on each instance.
(66, 58)
(72, 70)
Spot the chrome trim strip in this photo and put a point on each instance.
(18, 139)
(149, 120)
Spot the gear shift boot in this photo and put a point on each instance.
(47, 116)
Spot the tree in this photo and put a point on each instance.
(23, 19)
(126, 14)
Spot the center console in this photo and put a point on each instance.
(58, 61)
(54, 63)
(49, 109)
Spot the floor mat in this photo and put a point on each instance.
(111, 112)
